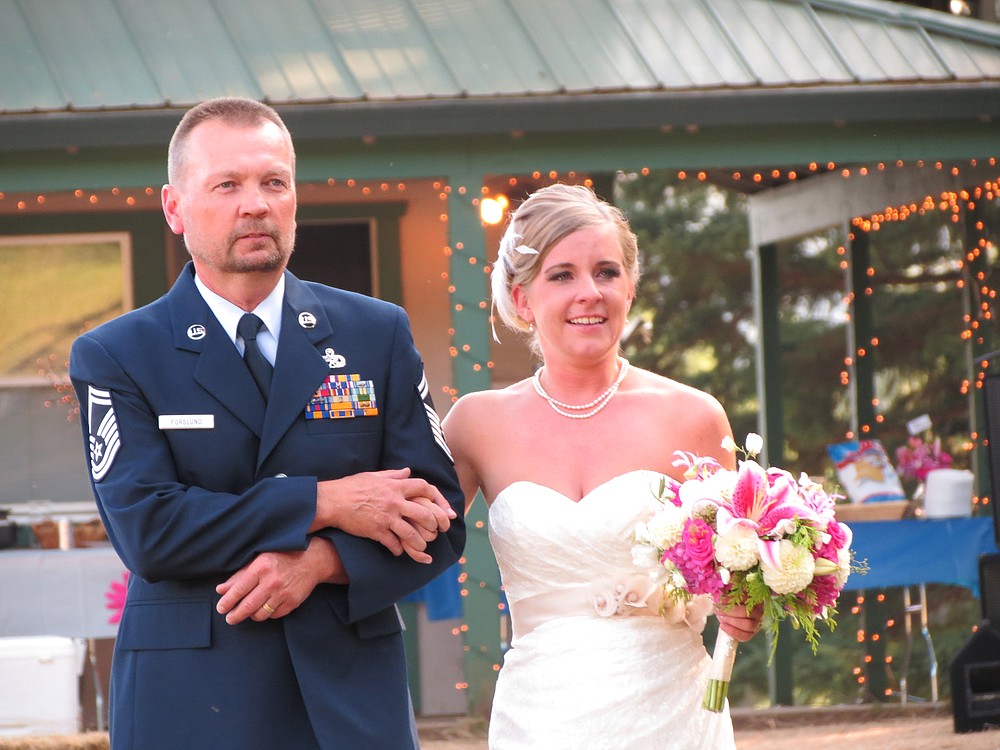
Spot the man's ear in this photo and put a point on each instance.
(171, 208)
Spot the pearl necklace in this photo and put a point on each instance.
(575, 411)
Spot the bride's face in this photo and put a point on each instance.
(580, 299)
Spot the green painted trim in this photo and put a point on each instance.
(567, 114)
(737, 146)
(770, 371)
(470, 321)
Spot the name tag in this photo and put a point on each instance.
(187, 421)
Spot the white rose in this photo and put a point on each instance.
(794, 570)
(737, 548)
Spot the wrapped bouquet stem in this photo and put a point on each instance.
(750, 538)
(721, 672)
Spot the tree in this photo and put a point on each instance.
(695, 299)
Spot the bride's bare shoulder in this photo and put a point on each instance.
(664, 393)
(683, 417)
(495, 401)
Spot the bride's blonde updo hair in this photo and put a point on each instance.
(539, 223)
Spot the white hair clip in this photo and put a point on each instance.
(510, 243)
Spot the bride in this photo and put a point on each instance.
(568, 462)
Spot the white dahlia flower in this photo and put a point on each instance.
(737, 548)
(794, 570)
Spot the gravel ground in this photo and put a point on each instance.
(854, 727)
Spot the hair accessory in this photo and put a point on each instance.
(509, 244)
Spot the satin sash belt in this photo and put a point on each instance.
(630, 596)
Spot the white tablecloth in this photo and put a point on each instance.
(58, 592)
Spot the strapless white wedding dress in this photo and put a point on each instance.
(574, 679)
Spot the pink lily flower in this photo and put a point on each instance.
(765, 501)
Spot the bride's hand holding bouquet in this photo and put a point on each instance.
(752, 538)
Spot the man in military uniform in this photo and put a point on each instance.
(269, 467)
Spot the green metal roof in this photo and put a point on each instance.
(79, 55)
(495, 82)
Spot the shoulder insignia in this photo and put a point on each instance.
(104, 438)
(432, 416)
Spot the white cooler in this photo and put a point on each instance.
(40, 685)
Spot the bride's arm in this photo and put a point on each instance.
(464, 434)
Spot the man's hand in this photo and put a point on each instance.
(275, 583)
(738, 624)
(399, 512)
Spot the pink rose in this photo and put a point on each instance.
(697, 541)
(694, 557)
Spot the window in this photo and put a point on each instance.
(52, 288)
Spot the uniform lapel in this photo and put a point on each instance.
(220, 369)
(299, 367)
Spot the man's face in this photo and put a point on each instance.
(234, 199)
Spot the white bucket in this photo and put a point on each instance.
(948, 493)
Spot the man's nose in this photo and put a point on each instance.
(254, 203)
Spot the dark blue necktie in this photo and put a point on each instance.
(257, 363)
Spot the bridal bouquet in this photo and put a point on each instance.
(751, 537)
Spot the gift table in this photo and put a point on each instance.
(914, 552)
(925, 550)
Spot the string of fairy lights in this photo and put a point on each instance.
(974, 326)
(493, 206)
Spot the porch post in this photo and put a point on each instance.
(771, 423)
(470, 352)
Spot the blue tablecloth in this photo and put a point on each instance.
(442, 596)
(911, 552)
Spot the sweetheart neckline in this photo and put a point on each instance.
(566, 497)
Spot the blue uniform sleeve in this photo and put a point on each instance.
(162, 524)
(412, 438)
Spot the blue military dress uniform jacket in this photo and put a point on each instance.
(195, 475)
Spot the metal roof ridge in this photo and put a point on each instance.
(967, 28)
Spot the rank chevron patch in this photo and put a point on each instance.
(104, 437)
(432, 416)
